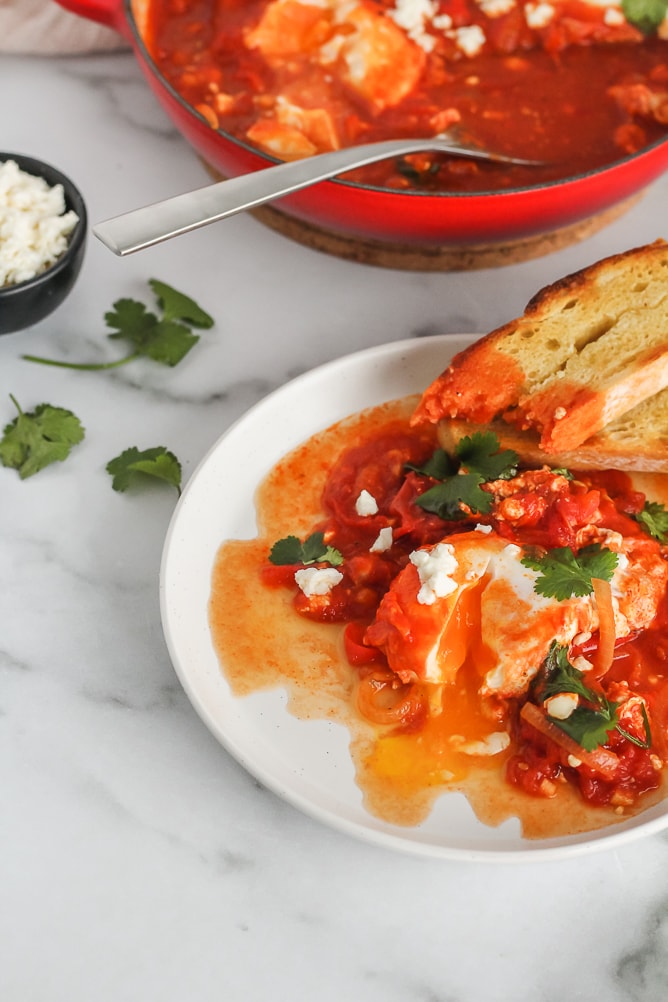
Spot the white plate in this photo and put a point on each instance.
(308, 763)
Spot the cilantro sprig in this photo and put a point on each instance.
(646, 15)
(590, 728)
(589, 725)
(654, 520)
(38, 438)
(447, 498)
(439, 465)
(166, 339)
(133, 465)
(291, 550)
(558, 675)
(478, 459)
(481, 453)
(564, 574)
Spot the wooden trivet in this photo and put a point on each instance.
(418, 257)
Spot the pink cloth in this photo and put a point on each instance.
(43, 27)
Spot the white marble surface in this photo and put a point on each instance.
(139, 861)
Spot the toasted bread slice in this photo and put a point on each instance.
(586, 350)
(636, 442)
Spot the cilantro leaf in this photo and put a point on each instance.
(130, 319)
(646, 15)
(176, 306)
(480, 453)
(439, 466)
(562, 574)
(131, 465)
(165, 339)
(36, 439)
(558, 675)
(562, 471)
(169, 343)
(654, 520)
(446, 499)
(287, 551)
(315, 549)
(590, 724)
(590, 728)
(477, 460)
(291, 550)
(599, 561)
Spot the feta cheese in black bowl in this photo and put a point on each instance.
(43, 229)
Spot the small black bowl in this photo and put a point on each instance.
(26, 303)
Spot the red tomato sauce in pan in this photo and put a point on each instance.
(568, 82)
(411, 740)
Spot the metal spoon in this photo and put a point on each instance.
(160, 221)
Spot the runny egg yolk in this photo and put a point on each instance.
(484, 640)
(464, 732)
(462, 727)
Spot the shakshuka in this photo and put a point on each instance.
(577, 84)
(478, 626)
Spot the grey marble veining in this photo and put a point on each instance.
(139, 861)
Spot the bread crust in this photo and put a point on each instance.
(587, 349)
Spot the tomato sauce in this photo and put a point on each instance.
(409, 741)
(578, 92)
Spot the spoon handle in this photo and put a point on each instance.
(160, 221)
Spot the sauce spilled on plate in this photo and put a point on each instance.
(262, 643)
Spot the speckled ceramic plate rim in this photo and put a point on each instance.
(308, 763)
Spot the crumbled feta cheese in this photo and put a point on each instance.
(582, 664)
(538, 15)
(483, 528)
(613, 17)
(492, 744)
(366, 504)
(495, 8)
(562, 705)
(435, 568)
(560, 413)
(34, 225)
(317, 580)
(443, 22)
(383, 541)
(331, 49)
(411, 15)
(609, 537)
(469, 39)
